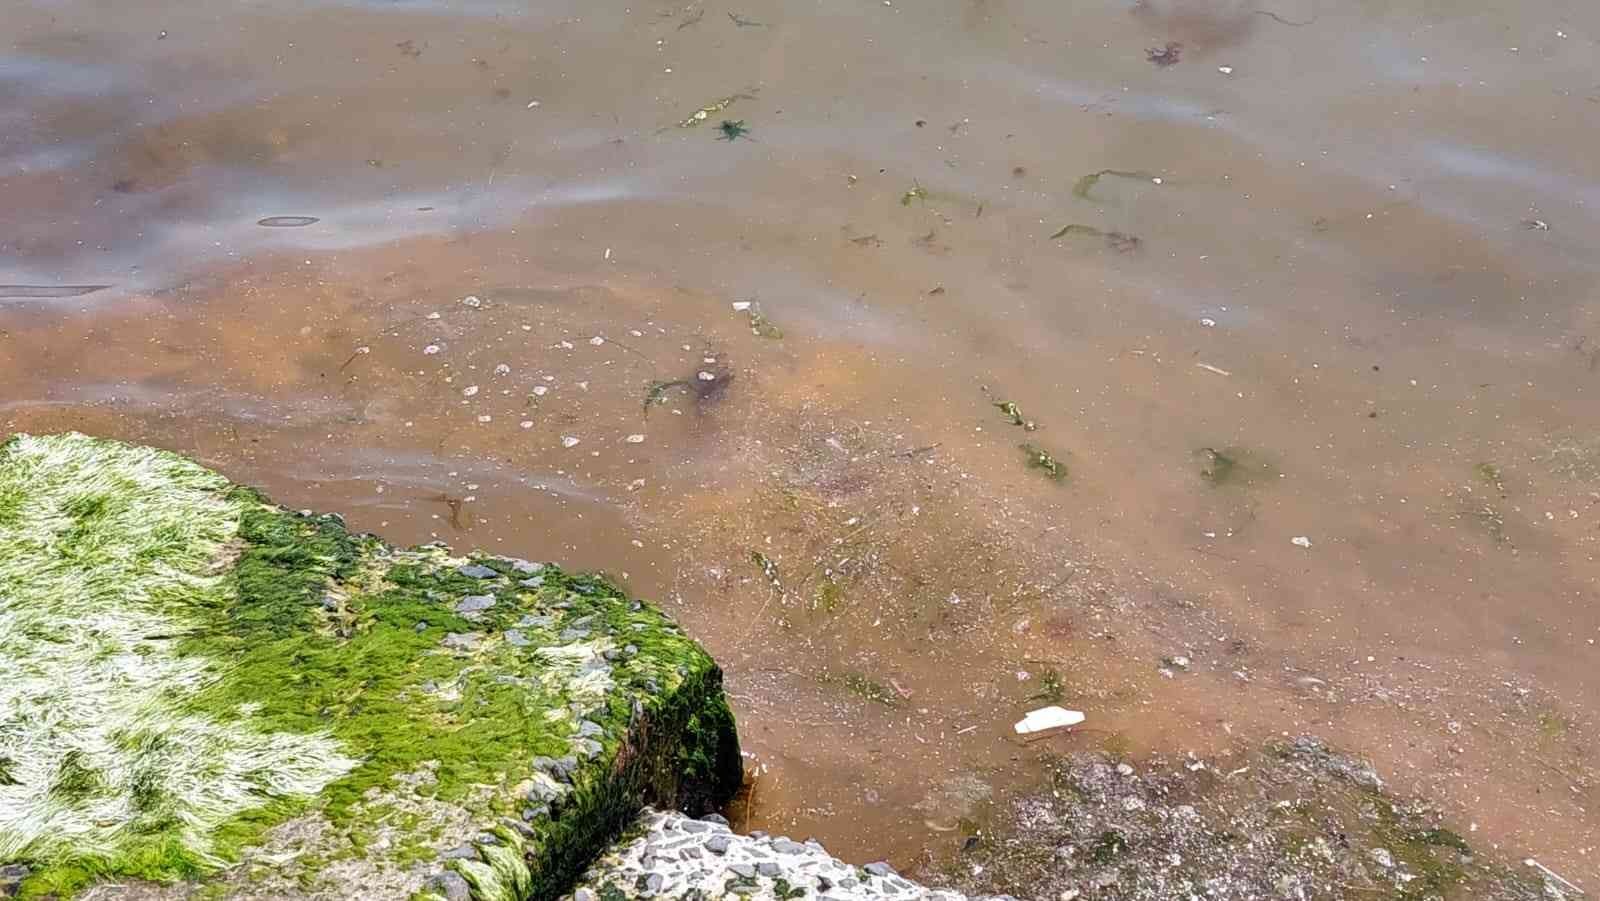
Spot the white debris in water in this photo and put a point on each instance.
(433, 315)
(739, 306)
(431, 349)
(635, 439)
(469, 391)
(707, 376)
(526, 423)
(1208, 322)
(568, 441)
(1225, 70)
(471, 300)
(1300, 541)
(566, 345)
(503, 369)
(540, 390)
(1046, 718)
(597, 340)
(485, 418)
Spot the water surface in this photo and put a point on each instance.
(1336, 283)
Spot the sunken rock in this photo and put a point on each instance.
(672, 856)
(182, 716)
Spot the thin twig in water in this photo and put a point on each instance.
(1282, 21)
(750, 799)
(1552, 874)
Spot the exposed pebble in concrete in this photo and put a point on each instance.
(677, 857)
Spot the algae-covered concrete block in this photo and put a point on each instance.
(668, 855)
(205, 695)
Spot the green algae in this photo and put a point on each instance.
(761, 326)
(1044, 461)
(829, 595)
(862, 686)
(1232, 465)
(339, 636)
(915, 194)
(733, 130)
(1082, 187)
(1052, 689)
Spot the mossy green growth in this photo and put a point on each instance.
(862, 686)
(1044, 461)
(1233, 466)
(202, 666)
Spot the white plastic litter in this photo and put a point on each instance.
(1047, 718)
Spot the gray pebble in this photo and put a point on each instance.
(535, 582)
(654, 883)
(515, 638)
(476, 571)
(460, 852)
(590, 728)
(880, 869)
(742, 869)
(11, 876)
(475, 603)
(584, 894)
(462, 641)
(718, 844)
(768, 869)
(451, 886)
(785, 846)
(587, 747)
(523, 566)
(717, 818)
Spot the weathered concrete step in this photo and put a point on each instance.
(671, 856)
(203, 694)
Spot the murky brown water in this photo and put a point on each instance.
(1348, 246)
